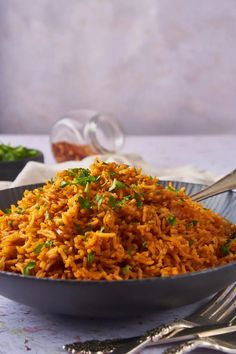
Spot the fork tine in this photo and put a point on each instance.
(226, 314)
(218, 302)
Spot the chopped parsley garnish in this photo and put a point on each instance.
(126, 269)
(20, 210)
(117, 185)
(40, 246)
(90, 257)
(64, 184)
(192, 223)
(48, 215)
(113, 173)
(81, 176)
(84, 202)
(37, 207)
(144, 244)
(49, 243)
(7, 211)
(171, 188)
(225, 250)
(139, 202)
(99, 199)
(29, 266)
(51, 181)
(190, 242)
(115, 203)
(225, 247)
(171, 220)
(86, 189)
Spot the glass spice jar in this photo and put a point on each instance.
(82, 133)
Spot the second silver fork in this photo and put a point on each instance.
(220, 309)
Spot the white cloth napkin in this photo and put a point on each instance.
(36, 172)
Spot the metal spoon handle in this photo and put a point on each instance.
(226, 183)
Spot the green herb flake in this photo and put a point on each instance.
(190, 242)
(7, 211)
(49, 243)
(117, 185)
(86, 189)
(171, 188)
(79, 228)
(84, 177)
(144, 244)
(20, 210)
(51, 181)
(113, 202)
(90, 257)
(126, 269)
(113, 173)
(172, 220)
(48, 215)
(224, 250)
(63, 184)
(192, 223)
(99, 199)
(29, 266)
(84, 202)
(37, 207)
(139, 204)
(38, 248)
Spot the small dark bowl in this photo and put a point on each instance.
(10, 169)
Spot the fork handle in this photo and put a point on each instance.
(167, 331)
(194, 344)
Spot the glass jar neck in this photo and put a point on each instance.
(104, 133)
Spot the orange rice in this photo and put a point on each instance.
(111, 222)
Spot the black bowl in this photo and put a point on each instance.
(9, 170)
(120, 298)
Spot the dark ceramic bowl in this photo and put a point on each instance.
(120, 298)
(10, 169)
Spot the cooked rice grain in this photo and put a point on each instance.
(111, 222)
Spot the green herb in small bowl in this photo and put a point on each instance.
(11, 153)
(14, 158)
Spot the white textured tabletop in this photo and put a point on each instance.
(23, 329)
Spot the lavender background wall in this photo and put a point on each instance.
(161, 66)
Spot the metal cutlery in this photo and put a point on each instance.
(225, 343)
(224, 184)
(220, 309)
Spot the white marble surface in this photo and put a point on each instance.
(23, 329)
(161, 66)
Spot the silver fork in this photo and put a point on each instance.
(220, 309)
(225, 343)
